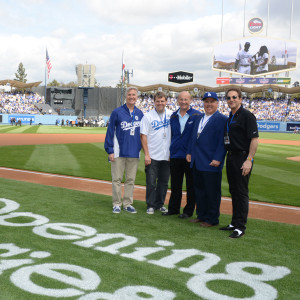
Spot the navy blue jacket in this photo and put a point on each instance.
(120, 124)
(179, 141)
(210, 144)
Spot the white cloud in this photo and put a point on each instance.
(136, 12)
(157, 36)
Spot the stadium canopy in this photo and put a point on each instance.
(219, 89)
(20, 85)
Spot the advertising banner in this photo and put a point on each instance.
(255, 25)
(250, 80)
(180, 77)
(268, 126)
(293, 127)
(25, 119)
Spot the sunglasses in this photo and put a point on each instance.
(233, 97)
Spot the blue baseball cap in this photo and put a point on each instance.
(210, 95)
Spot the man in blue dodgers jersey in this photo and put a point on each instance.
(123, 145)
(206, 152)
(181, 123)
(155, 138)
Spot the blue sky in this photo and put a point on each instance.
(157, 36)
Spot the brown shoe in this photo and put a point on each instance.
(195, 221)
(204, 224)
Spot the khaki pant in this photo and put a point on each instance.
(121, 164)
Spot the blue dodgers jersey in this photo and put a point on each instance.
(119, 130)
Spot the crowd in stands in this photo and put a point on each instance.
(263, 108)
(16, 103)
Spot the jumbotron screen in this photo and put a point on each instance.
(255, 56)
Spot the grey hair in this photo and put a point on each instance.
(131, 88)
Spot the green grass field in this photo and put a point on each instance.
(274, 178)
(64, 244)
(263, 263)
(50, 129)
(98, 130)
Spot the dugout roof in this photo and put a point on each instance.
(20, 85)
(203, 88)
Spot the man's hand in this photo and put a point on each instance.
(189, 158)
(111, 157)
(147, 160)
(246, 167)
(215, 163)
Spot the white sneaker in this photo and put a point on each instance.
(130, 209)
(163, 209)
(150, 211)
(116, 209)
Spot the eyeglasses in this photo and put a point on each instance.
(233, 97)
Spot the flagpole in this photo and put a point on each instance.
(122, 85)
(45, 75)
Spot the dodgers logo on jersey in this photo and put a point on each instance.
(158, 124)
(128, 125)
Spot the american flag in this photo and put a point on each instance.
(48, 63)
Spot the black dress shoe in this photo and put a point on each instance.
(227, 228)
(237, 234)
(183, 216)
(168, 214)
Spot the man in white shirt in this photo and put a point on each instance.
(244, 60)
(156, 138)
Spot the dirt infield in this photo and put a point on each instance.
(258, 210)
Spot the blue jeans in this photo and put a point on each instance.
(157, 178)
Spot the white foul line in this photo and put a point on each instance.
(136, 186)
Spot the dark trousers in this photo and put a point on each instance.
(180, 167)
(157, 178)
(238, 188)
(207, 186)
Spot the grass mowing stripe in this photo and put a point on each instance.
(291, 178)
(278, 148)
(8, 129)
(31, 129)
(92, 159)
(279, 136)
(270, 190)
(64, 129)
(44, 157)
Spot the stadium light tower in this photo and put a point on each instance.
(86, 81)
(127, 73)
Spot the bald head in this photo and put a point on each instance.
(184, 101)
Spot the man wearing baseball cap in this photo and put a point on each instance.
(206, 153)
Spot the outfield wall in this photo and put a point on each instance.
(36, 119)
(273, 126)
(269, 126)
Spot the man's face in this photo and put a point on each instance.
(210, 106)
(184, 101)
(233, 100)
(247, 46)
(131, 97)
(160, 104)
